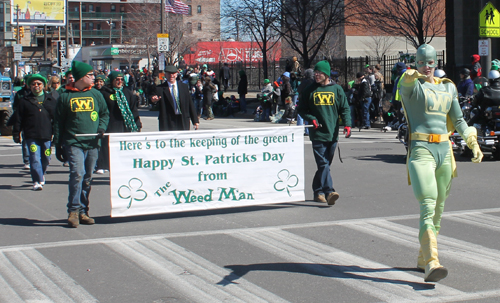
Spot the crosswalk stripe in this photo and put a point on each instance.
(462, 251)
(33, 278)
(481, 220)
(194, 276)
(376, 279)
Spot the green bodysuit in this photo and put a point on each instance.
(432, 112)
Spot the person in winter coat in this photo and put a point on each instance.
(286, 89)
(306, 81)
(80, 109)
(465, 87)
(208, 95)
(322, 104)
(123, 114)
(266, 100)
(243, 90)
(476, 67)
(34, 116)
(363, 97)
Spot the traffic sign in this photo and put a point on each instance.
(489, 22)
(483, 48)
(18, 48)
(163, 42)
(17, 57)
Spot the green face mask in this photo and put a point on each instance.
(426, 56)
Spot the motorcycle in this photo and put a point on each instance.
(488, 134)
(468, 112)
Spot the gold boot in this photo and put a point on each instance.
(433, 270)
(420, 261)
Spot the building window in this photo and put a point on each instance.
(190, 28)
(97, 9)
(76, 8)
(188, 1)
(1, 8)
(75, 26)
(199, 26)
(190, 10)
(84, 7)
(84, 26)
(91, 8)
(98, 26)
(113, 8)
(91, 26)
(199, 9)
(122, 9)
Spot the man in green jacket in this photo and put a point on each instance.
(81, 109)
(321, 104)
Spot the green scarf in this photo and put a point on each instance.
(128, 118)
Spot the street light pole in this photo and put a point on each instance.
(110, 22)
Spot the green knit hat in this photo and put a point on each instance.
(324, 67)
(37, 77)
(80, 69)
(115, 74)
(101, 77)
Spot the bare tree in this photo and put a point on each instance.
(333, 45)
(143, 25)
(379, 46)
(305, 24)
(257, 19)
(419, 21)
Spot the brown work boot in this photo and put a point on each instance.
(332, 197)
(84, 219)
(320, 198)
(73, 220)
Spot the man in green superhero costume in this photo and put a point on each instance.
(432, 111)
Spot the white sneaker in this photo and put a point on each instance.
(26, 166)
(37, 186)
(99, 171)
(43, 181)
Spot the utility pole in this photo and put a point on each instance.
(81, 26)
(110, 22)
(162, 10)
(18, 38)
(121, 29)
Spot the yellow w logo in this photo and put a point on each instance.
(437, 103)
(85, 104)
(324, 98)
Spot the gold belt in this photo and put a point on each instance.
(431, 138)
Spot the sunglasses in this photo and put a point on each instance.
(119, 79)
(36, 83)
(55, 82)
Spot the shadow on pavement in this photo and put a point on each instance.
(384, 158)
(325, 270)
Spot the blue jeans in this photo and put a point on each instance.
(198, 106)
(301, 121)
(265, 115)
(323, 154)
(81, 166)
(366, 111)
(39, 158)
(243, 103)
(26, 150)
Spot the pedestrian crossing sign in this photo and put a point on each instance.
(489, 22)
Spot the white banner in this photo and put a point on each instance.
(195, 170)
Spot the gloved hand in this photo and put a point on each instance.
(474, 146)
(347, 131)
(411, 75)
(60, 154)
(476, 152)
(100, 133)
(315, 124)
(16, 137)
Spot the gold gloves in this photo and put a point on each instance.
(474, 146)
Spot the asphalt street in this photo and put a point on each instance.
(363, 249)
